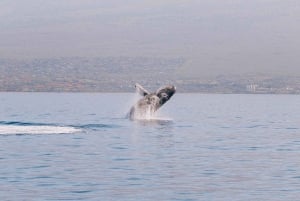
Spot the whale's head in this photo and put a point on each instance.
(165, 93)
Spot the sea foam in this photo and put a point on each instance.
(19, 129)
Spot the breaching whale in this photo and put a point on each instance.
(151, 102)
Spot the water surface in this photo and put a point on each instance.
(201, 147)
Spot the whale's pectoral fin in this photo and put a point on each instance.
(141, 90)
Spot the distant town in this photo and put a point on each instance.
(119, 74)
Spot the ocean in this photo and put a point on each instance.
(81, 146)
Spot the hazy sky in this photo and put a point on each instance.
(215, 36)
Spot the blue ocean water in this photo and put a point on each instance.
(64, 146)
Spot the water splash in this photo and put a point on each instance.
(149, 114)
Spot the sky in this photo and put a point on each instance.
(214, 36)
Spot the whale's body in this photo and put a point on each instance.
(151, 102)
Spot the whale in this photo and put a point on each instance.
(146, 107)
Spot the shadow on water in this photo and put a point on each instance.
(97, 126)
